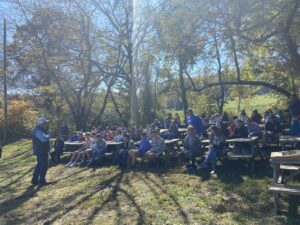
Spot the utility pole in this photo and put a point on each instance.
(4, 83)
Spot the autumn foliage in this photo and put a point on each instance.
(21, 117)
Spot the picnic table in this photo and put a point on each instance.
(288, 139)
(162, 131)
(250, 157)
(71, 146)
(113, 148)
(282, 162)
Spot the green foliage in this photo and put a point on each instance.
(21, 120)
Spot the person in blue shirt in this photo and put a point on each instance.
(295, 128)
(75, 137)
(195, 121)
(143, 147)
(41, 148)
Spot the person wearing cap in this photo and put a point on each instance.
(41, 148)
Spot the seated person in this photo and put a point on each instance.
(128, 144)
(119, 136)
(167, 121)
(295, 131)
(108, 135)
(143, 147)
(231, 126)
(272, 130)
(253, 129)
(177, 120)
(216, 146)
(243, 116)
(191, 148)
(295, 128)
(157, 146)
(256, 117)
(205, 126)
(172, 132)
(240, 132)
(79, 154)
(81, 136)
(58, 149)
(75, 137)
(98, 147)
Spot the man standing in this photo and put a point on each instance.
(41, 147)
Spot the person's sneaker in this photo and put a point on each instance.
(68, 164)
(44, 183)
(212, 172)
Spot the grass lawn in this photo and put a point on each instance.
(259, 102)
(149, 194)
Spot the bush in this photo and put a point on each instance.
(21, 119)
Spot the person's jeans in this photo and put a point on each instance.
(213, 153)
(41, 168)
(98, 154)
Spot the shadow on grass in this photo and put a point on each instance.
(152, 184)
(113, 183)
(14, 203)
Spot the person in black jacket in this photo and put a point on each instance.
(240, 132)
(41, 147)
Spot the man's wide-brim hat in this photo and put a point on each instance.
(41, 121)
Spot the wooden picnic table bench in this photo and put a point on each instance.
(288, 139)
(71, 146)
(249, 157)
(281, 162)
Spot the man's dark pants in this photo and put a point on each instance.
(41, 168)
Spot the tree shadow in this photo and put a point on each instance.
(11, 204)
(17, 179)
(151, 184)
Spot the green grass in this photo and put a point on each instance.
(149, 194)
(259, 102)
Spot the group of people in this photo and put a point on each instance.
(95, 146)
(151, 144)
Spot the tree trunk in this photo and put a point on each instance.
(221, 102)
(182, 86)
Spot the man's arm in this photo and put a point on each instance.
(43, 137)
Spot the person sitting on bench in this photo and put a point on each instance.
(98, 149)
(240, 132)
(157, 146)
(78, 155)
(144, 146)
(58, 149)
(191, 148)
(216, 147)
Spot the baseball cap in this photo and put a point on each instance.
(41, 120)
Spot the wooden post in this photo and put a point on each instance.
(4, 84)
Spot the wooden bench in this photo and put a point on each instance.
(278, 189)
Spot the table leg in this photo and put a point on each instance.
(276, 167)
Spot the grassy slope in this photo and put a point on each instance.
(259, 102)
(146, 195)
